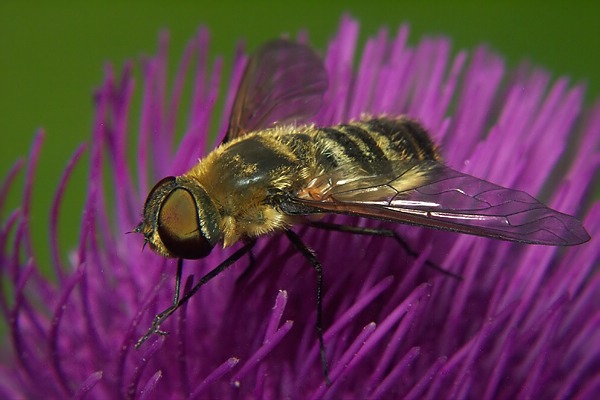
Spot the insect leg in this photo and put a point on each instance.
(380, 232)
(160, 318)
(246, 273)
(312, 259)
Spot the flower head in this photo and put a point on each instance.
(521, 323)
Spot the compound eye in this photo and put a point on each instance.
(179, 228)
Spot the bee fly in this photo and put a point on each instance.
(270, 172)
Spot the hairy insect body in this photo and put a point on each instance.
(271, 171)
(241, 175)
(244, 177)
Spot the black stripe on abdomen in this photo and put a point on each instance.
(359, 148)
(381, 164)
(408, 136)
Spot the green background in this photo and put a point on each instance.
(52, 56)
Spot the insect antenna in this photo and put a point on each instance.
(160, 318)
(312, 259)
(385, 233)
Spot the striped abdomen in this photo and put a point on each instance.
(375, 146)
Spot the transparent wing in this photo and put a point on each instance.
(283, 82)
(449, 200)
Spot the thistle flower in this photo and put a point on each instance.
(521, 323)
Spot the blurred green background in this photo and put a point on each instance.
(52, 56)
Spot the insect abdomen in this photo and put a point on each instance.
(376, 145)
